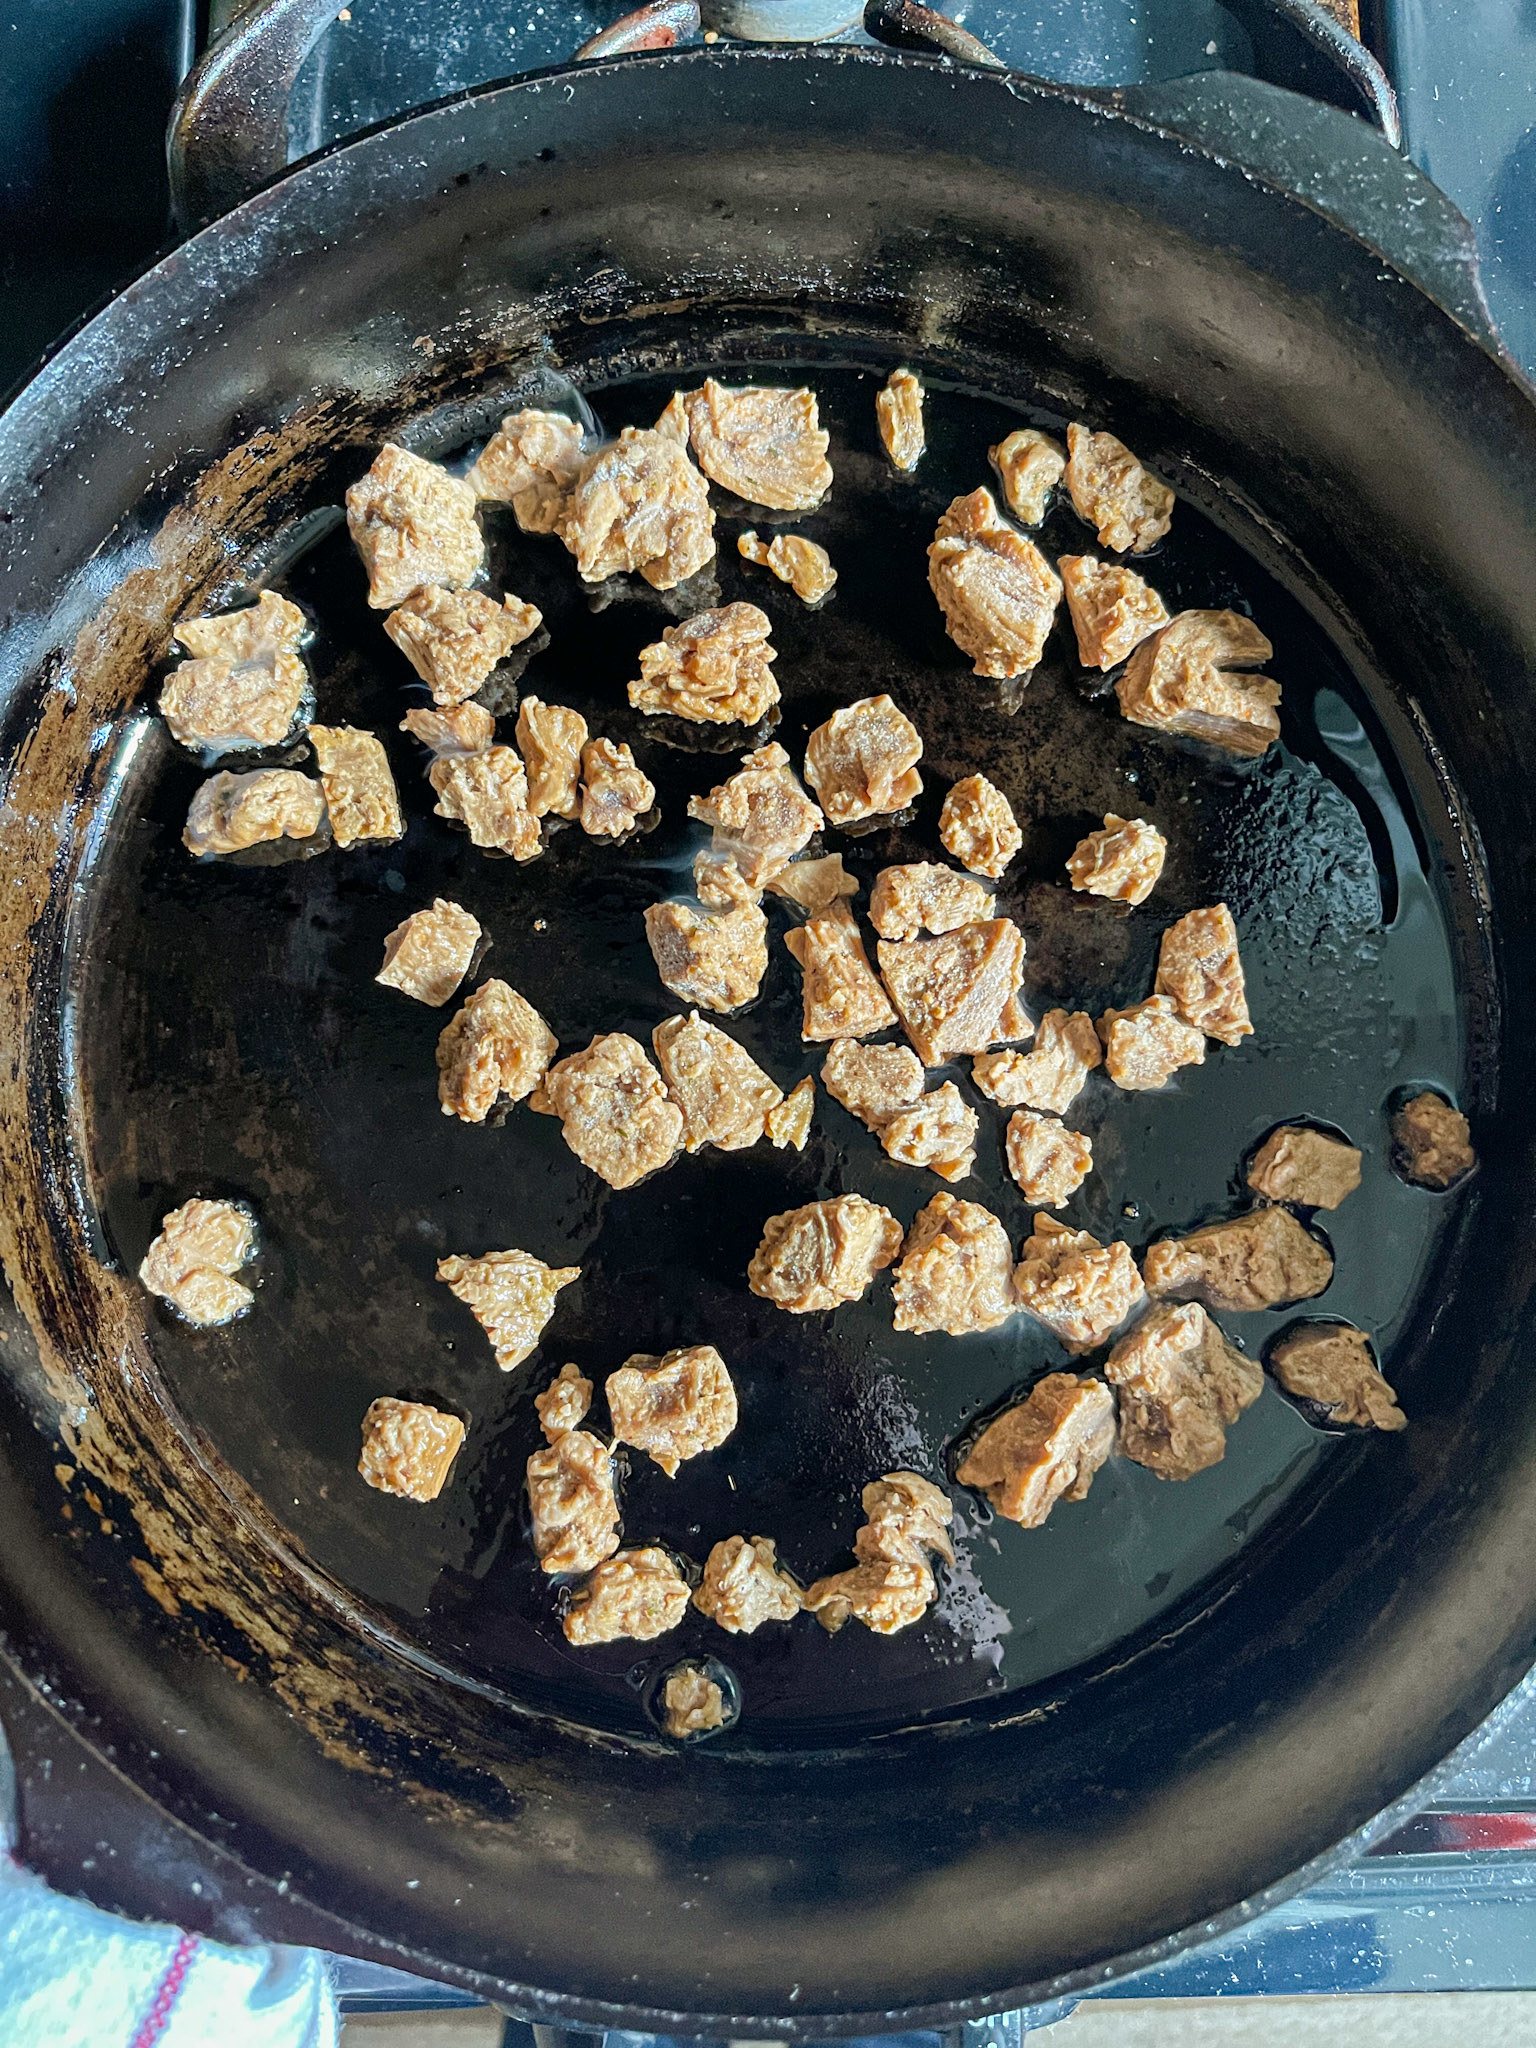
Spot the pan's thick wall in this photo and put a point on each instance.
(1262, 357)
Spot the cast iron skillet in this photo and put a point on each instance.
(353, 1698)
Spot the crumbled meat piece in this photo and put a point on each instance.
(1127, 506)
(803, 564)
(1181, 1384)
(454, 638)
(497, 1047)
(905, 1516)
(413, 524)
(924, 897)
(937, 1132)
(978, 827)
(996, 590)
(615, 793)
(788, 1123)
(1333, 1365)
(1298, 1164)
(1112, 609)
(1431, 1141)
(719, 883)
(1146, 1045)
(715, 668)
(1198, 966)
(531, 463)
(723, 1093)
(231, 812)
(765, 445)
(1030, 465)
(1257, 1261)
(571, 1502)
(1049, 1162)
(826, 1253)
(840, 997)
(488, 794)
(564, 1403)
(408, 1448)
(815, 885)
(958, 993)
(615, 1114)
(359, 788)
(639, 504)
(956, 1271)
(674, 1407)
(245, 684)
(1044, 1450)
(466, 729)
(1066, 1052)
(193, 1261)
(1077, 1287)
(691, 1703)
(863, 762)
(551, 738)
(745, 1585)
(892, 1584)
(872, 1081)
(429, 954)
(761, 816)
(885, 1597)
(638, 1595)
(511, 1295)
(1122, 862)
(716, 956)
(899, 415)
(1185, 679)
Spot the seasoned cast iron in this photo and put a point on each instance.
(1202, 1688)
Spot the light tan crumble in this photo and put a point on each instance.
(571, 1503)
(724, 1095)
(1066, 1051)
(1113, 611)
(488, 794)
(454, 638)
(788, 1123)
(497, 1047)
(511, 1295)
(744, 1585)
(1030, 465)
(615, 794)
(892, 1585)
(1185, 680)
(1122, 862)
(429, 954)
(1181, 1385)
(637, 1595)
(905, 1517)
(938, 1132)
(862, 763)
(715, 956)
(958, 993)
(812, 1258)
(408, 1448)
(232, 812)
(761, 817)
(674, 1407)
(996, 590)
(1198, 965)
(1298, 1164)
(715, 668)
(1145, 1046)
(956, 1271)
(1431, 1141)
(691, 1703)
(1044, 1450)
(615, 1114)
(551, 738)
(564, 1403)
(639, 504)
(531, 463)
(978, 827)
(840, 997)
(246, 682)
(1127, 506)
(885, 1597)
(924, 897)
(767, 446)
(413, 524)
(899, 415)
(803, 564)
(1333, 1365)
(1257, 1261)
(872, 1081)
(815, 885)
(1049, 1162)
(1080, 1289)
(193, 1261)
(466, 729)
(272, 625)
(359, 788)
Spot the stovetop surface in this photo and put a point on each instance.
(83, 207)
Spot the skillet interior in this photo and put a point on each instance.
(1045, 1833)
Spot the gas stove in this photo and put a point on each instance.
(84, 205)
